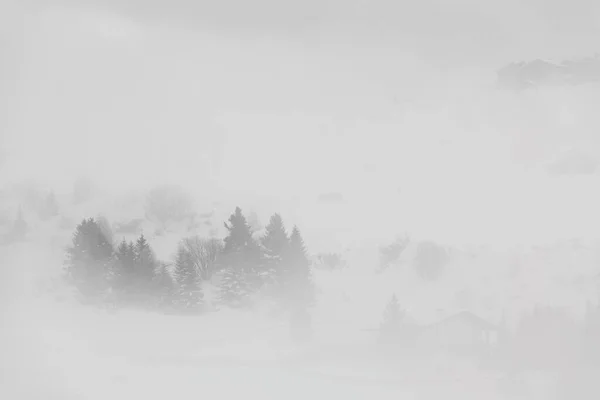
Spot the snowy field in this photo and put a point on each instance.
(396, 117)
(54, 348)
(61, 350)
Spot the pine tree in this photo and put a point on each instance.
(89, 258)
(240, 260)
(392, 324)
(240, 250)
(163, 287)
(234, 288)
(392, 315)
(145, 262)
(297, 273)
(20, 227)
(123, 267)
(275, 243)
(239, 233)
(189, 292)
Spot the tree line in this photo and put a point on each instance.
(128, 273)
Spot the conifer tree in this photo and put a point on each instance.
(298, 278)
(391, 325)
(89, 258)
(239, 235)
(20, 227)
(275, 242)
(235, 288)
(240, 260)
(189, 292)
(123, 268)
(163, 287)
(392, 315)
(145, 262)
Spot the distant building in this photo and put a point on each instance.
(463, 333)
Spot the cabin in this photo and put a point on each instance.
(463, 333)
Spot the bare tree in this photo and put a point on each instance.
(204, 254)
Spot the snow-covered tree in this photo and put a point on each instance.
(20, 227)
(123, 268)
(239, 235)
(89, 258)
(234, 288)
(145, 262)
(298, 283)
(164, 288)
(189, 291)
(275, 243)
(240, 260)
(392, 325)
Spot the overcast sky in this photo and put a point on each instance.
(391, 103)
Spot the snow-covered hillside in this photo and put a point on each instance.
(70, 348)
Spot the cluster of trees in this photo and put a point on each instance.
(277, 262)
(129, 273)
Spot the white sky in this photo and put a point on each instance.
(298, 102)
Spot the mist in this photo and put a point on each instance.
(356, 121)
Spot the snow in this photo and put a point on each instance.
(72, 351)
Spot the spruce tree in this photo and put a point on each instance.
(275, 242)
(392, 315)
(239, 235)
(163, 287)
(240, 260)
(391, 326)
(297, 272)
(145, 263)
(189, 292)
(234, 288)
(123, 268)
(20, 227)
(89, 258)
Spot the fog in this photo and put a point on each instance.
(390, 110)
